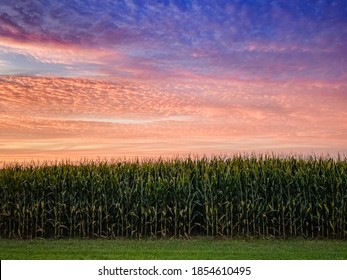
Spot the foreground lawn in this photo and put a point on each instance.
(165, 249)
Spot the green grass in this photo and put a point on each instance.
(173, 249)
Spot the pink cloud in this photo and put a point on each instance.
(59, 118)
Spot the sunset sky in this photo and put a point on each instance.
(158, 78)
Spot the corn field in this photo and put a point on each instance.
(247, 196)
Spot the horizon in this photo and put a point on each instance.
(96, 160)
(127, 79)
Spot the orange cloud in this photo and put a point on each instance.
(59, 117)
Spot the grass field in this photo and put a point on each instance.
(173, 249)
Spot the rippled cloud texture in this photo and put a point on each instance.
(148, 78)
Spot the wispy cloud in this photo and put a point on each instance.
(272, 39)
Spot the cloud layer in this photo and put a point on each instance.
(238, 39)
(109, 78)
(59, 116)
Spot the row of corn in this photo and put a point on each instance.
(247, 196)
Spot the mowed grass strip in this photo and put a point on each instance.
(173, 249)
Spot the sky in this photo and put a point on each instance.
(138, 78)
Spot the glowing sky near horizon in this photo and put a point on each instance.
(149, 78)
